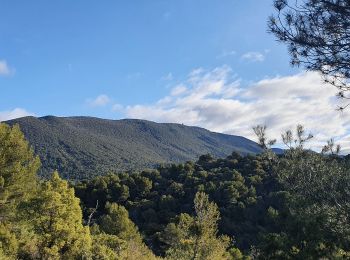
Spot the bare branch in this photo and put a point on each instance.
(92, 213)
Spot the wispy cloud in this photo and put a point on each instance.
(99, 101)
(15, 113)
(5, 70)
(254, 56)
(217, 101)
(135, 75)
(178, 90)
(117, 108)
(225, 54)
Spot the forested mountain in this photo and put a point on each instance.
(83, 147)
(242, 207)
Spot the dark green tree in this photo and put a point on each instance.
(314, 221)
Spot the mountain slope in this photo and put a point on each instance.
(82, 147)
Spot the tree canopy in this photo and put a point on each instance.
(265, 206)
(18, 168)
(317, 33)
(196, 237)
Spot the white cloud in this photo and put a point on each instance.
(215, 100)
(117, 108)
(178, 90)
(99, 101)
(15, 113)
(5, 70)
(225, 54)
(253, 56)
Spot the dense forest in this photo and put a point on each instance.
(265, 206)
(85, 147)
(253, 204)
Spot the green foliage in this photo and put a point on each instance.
(293, 205)
(196, 238)
(18, 167)
(107, 246)
(318, 206)
(267, 206)
(8, 242)
(116, 222)
(43, 220)
(314, 220)
(18, 184)
(239, 185)
(317, 36)
(56, 219)
(117, 237)
(85, 147)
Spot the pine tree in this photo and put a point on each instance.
(18, 182)
(117, 222)
(196, 237)
(317, 33)
(18, 168)
(8, 242)
(56, 219)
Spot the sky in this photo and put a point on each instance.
(200, 62)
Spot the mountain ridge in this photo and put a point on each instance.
(82, 147)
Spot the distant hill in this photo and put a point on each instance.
(83, 147)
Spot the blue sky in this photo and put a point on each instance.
(64, 52)
(149, 59)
